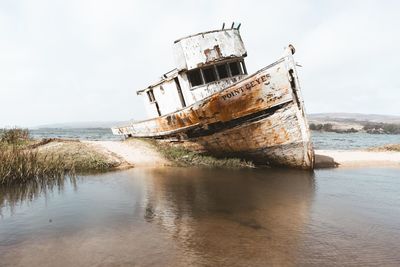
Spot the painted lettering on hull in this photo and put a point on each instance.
(248, 86)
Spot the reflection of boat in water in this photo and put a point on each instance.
(235, 218)
(211, 103)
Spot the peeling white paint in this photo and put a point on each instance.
(200, 49)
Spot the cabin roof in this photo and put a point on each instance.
(164, 78)
(200, 33)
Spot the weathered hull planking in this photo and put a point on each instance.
(260, 118)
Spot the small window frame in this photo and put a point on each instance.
(225, 66)
(200, 76)
(235, 63)
(207, 76)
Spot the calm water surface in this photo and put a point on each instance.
(75, 133)
(194, 217)
(345, 141)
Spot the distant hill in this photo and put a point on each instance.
(353, 117)
(354, 122)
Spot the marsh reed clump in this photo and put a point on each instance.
(29, 168)
(82, 157)
(23, 160)
(18, 165)
(14, 136)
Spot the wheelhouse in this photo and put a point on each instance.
(205, 63)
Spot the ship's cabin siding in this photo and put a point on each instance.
(163, 98)
(205, 63)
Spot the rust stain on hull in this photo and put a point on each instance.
(275, 140)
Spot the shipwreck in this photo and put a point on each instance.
(210, 103)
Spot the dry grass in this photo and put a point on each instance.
(20, 166)
(14, 136)
(23, 160)
(81, 156)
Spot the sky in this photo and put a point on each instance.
(83, 60)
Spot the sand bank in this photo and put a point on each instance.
(135, 152)
(361, 158)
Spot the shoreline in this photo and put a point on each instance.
(142, 154)
(96, 155)
(138, 153)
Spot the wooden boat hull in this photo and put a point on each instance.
(260, 118)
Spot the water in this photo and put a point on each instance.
(75, 133)
(324, 140)
(195, 217)
(321, 140)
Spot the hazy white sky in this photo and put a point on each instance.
(83, 60)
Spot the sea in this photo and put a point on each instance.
(321, 140)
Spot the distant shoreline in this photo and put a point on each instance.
(369, 128)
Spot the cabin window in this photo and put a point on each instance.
(209, 74)
(150, 95)
(215, 72)
(195, 78)
(222, 71)
(235, 69)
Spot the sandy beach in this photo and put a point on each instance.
(135, 152)
(362, 158)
